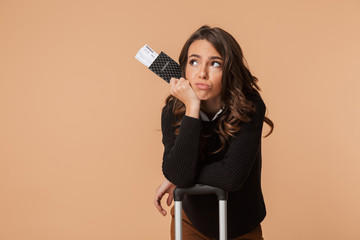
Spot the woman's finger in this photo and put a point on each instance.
(169, 199)
(180, 80)
(185, 84)
(157, 203)
(173, 82)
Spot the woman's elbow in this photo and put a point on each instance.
(234, 185)
(180, 180)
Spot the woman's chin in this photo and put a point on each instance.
(202, 96)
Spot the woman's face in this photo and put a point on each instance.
(204, 70)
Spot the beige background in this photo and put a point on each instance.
(80, 148)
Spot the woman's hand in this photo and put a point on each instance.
(165, 187)
(182, 90)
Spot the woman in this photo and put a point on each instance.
(212, 126)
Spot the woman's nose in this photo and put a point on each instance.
(203, 74)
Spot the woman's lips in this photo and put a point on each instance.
(202, 86)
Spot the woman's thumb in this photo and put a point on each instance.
(169, 199)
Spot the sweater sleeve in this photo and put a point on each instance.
(231, 172)
(181, 152)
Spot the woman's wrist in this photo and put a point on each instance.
(192, 110)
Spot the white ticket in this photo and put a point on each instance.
(146, 55)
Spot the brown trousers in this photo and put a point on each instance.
(190, 233)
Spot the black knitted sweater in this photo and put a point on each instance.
(188, 160)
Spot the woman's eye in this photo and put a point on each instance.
(216, 64)
(193, 62)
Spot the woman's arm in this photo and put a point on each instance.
(231, 172)
(181, 152)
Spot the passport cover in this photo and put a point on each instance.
(165, 67)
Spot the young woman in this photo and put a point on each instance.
(212, 127)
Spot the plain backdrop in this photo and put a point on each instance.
(80, 146)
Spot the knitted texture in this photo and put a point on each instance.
(187, 160)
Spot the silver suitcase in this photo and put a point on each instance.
(199, 189)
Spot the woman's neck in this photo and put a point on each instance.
(211, 106)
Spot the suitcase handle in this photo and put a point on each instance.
(199, 189)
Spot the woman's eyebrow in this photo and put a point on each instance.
(198, 56)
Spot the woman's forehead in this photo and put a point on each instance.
(203, 48)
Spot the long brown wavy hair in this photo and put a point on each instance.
(236, 80)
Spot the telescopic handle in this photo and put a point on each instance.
(200, 189)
